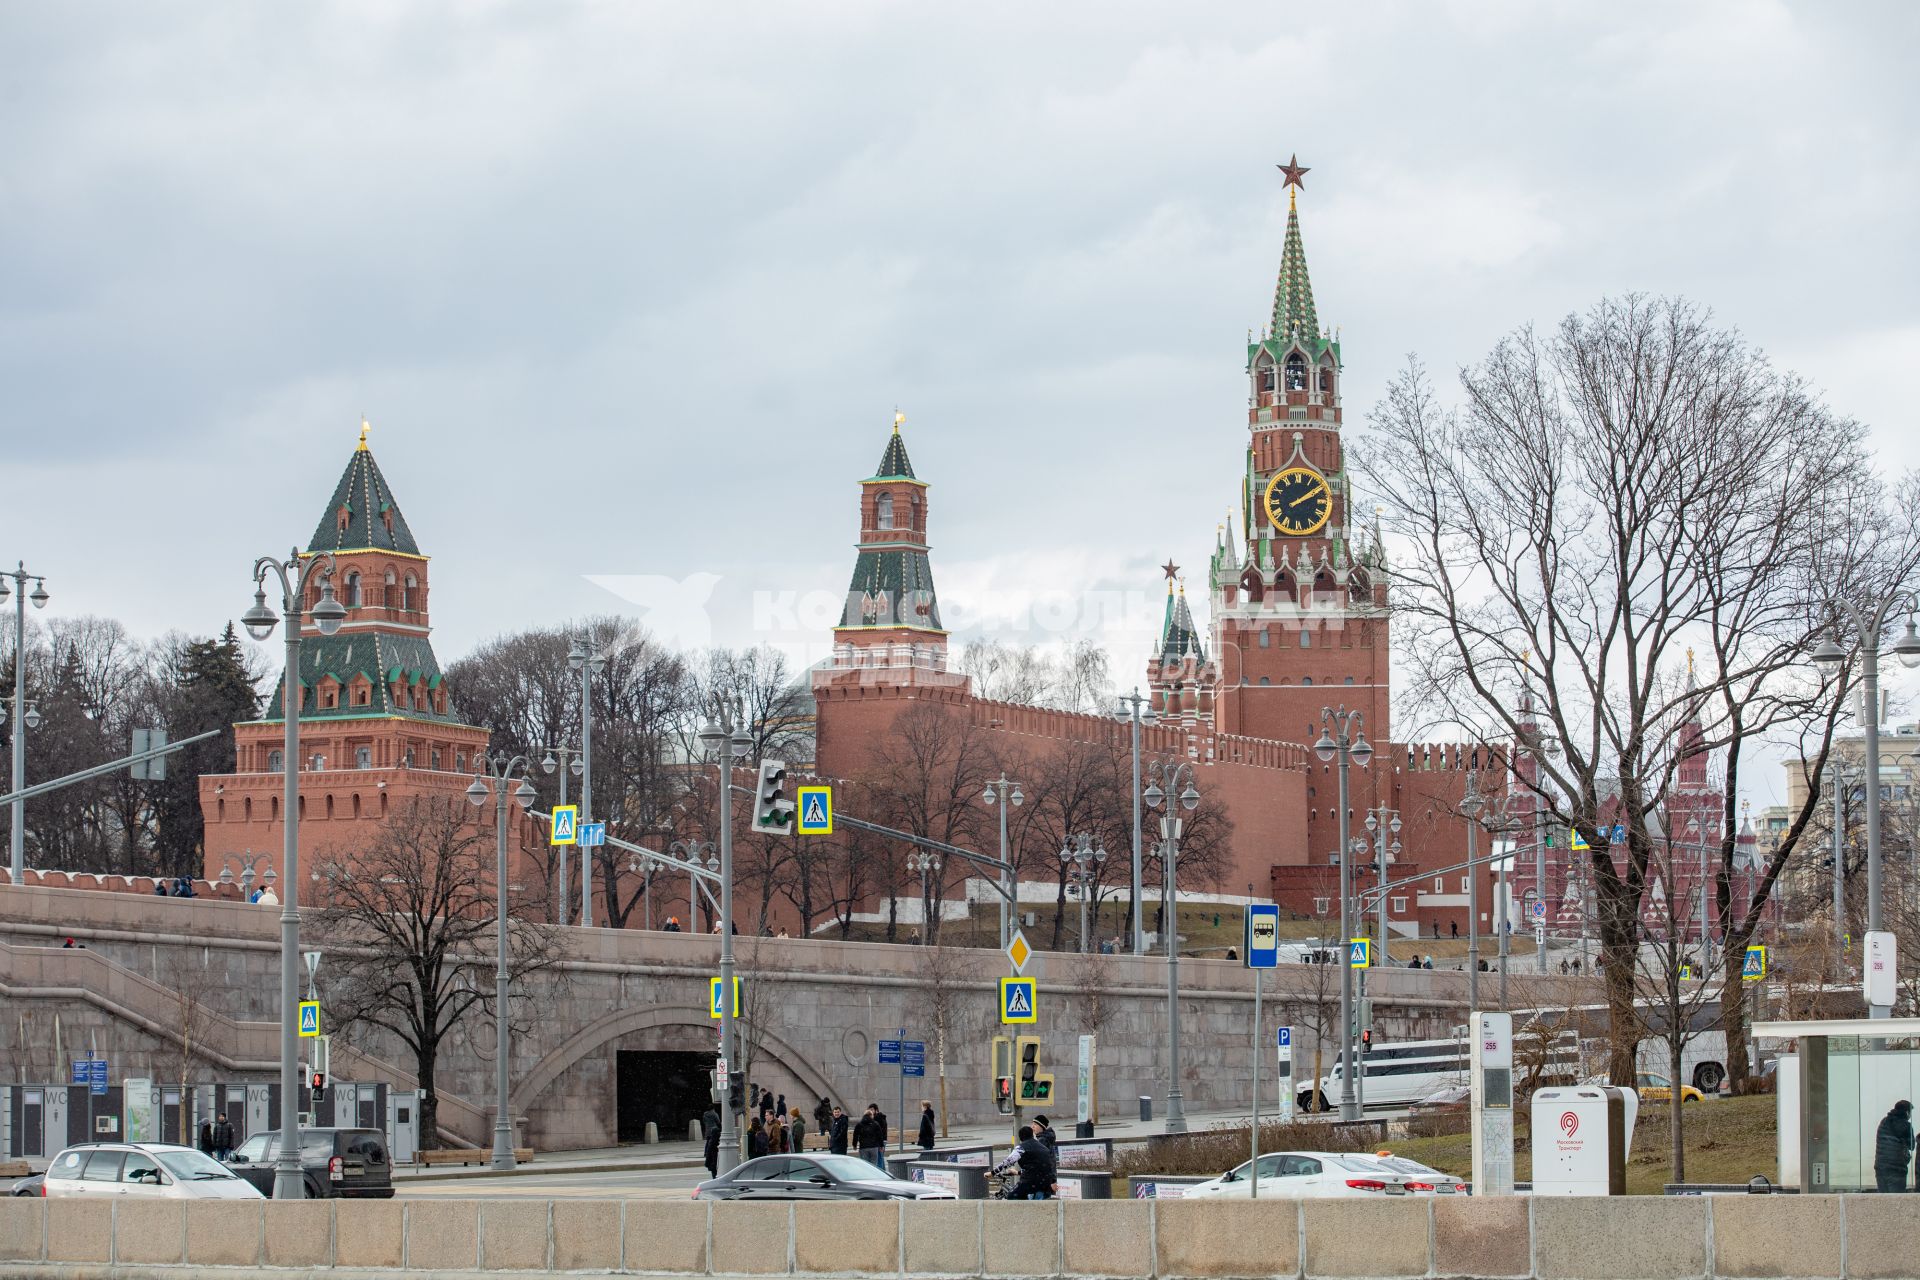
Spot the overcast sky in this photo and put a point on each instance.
(631, 291)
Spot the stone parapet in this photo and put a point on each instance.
(1676, 1238)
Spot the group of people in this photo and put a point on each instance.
(1037, 1158)
(216, 1137)
(775, 1130)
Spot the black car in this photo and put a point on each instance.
(336, 1163)
(824, 1177)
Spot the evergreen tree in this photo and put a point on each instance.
(210, 689)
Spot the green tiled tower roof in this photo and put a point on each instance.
(893, 463)
(1179, 638)
(1293, 313)
(373, 520)
(382, 658)
(892, 587)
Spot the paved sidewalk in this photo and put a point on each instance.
(689, 1155)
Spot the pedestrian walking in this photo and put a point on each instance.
(1893, 1147)
(713, 1151)
(870, 1137)
(222, 1137)
(822, 1116)
(926, 1124)
(837, 1133)
(1453, 928)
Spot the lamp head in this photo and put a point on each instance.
(577, 766)
(259, 620)
(477, 793)
(39, 596)
(1189, 799)
(524, 794)
(1394, 825)
(740, 743)
(1325, 748)
(576, 657)
(32, 717)
(1018, 797)
(1907, 647)
(549, 764)
(1828, 654)
(1472, 805)
(329, 613)
(1362, 752)
(711, 736)
(1154, 796)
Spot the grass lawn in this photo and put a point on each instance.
(1727, 1140)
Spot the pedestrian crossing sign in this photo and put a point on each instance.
(815, 815)
(309, 1019)
(566, 824)
(713, 996)
(1359, 953)
(1017, 1003)
(1755, 967)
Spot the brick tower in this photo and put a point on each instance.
(1299, 604)
(890, 629)
(376, 726)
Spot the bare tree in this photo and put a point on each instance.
(926, 778)
(952, 979)
(1605, 495)
(409, 926)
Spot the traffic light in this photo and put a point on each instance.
(1003, 1094)
(319, 1085)
(1036, 1086)
(1366, 1039)
(772, 809)
(736, 1095)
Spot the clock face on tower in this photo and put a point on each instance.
(1298, 501)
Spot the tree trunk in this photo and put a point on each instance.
(1678, 1152)
(429, 1101)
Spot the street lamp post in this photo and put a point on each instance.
(695, 853)
(927, 863)
(1002, 792)
(1867, 630)
(588, 667)
(726, 744)
(1138, 710)
(1381, 823)
(1165, 779)
(248, 861)
(501, 768)
(1839, 782)
(294, 573)
(1082, 856)
(22, 709)
(1341, 736)
(1471, 805)
(563, 766)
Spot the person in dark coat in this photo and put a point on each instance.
(222, 1137)
(206, 1140)
(713, 1151)
(1893, 1147)
(1043, 1133)
(1037, 1168)
(709, 1122)
(756, 1139)
(837, 1133)
(926, 1124)
(823, 1116)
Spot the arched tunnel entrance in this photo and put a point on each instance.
(667, 1087)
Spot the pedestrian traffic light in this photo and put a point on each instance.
(772, 810)
(319, 1085)
(736, 1095)
(1366, 1039)
(1003, 1094)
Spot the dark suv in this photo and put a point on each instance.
(347, 1163)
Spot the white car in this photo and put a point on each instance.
(142, 1171)
(1421, 1179)
(1293, 1175)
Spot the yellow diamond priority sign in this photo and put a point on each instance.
(1019, 952)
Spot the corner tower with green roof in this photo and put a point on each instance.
(377, 725)
(1299, 599)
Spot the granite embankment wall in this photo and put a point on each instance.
(1645, 1238)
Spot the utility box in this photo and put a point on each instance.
(1581, 1139)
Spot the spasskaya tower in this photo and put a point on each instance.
(1299, 598)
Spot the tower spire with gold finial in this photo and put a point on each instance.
(365, 427)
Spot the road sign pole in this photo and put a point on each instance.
(1259, 978)
(900, 1124)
